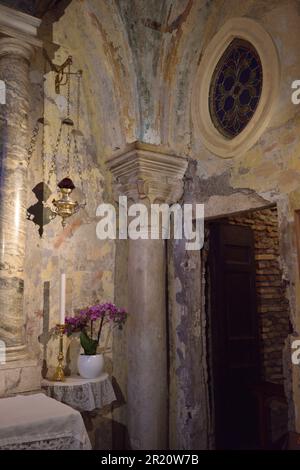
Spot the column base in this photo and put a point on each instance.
(16, 353)
(19, 376)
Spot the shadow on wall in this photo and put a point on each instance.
(105, 433)
(38, 213)
(46, 334)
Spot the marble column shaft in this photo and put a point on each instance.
(14, 70)
(147, 389)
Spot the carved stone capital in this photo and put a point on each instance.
(18, 33)
(15, 47)
(145, 173)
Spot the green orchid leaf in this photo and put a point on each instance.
(88, 344)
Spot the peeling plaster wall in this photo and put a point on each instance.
(191, 417)
(269, 171)
(92, 32)
(139, 60)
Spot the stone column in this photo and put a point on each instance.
(145, 175)
(14, 71)
(147, 345)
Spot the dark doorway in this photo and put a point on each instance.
(235, 335)
(247, 325)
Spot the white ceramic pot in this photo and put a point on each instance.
(90, 367)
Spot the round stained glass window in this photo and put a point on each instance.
(235, 88)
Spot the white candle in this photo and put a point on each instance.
(62, 298)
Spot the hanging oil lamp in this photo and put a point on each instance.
(65, 207)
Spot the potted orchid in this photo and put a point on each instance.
(90, 322)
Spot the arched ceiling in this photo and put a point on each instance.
(35, 7)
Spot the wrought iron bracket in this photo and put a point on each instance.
(61, 71)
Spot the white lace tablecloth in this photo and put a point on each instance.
(38, 422)
(82, 394)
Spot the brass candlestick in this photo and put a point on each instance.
(59, 375)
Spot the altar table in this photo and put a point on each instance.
(35, 422)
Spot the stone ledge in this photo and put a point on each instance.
(19, 377)
(19, 25)
(18, 364)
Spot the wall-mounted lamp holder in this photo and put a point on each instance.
(62, 72)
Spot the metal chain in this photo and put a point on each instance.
(35, 132)
(78, 163)
(76, 151)
(43, 152)
(32, 145)
(33, 140)
(67, 168)
(53, 166)
(77, 159)
(44, 168)
(79, 73)
(68, 90)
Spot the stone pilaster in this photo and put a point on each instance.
(146, 175)
(14, 71)
(17, 43)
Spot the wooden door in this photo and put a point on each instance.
(234, 328)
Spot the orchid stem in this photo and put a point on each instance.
(100, 328)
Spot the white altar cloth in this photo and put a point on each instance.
(82, 394)
(39, 422)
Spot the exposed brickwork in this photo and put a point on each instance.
(272, 304)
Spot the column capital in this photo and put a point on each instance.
(15, 47)
(18, 33)
(146, 172)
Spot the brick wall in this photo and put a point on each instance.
(273, 308)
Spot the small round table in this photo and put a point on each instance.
(82, 394)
